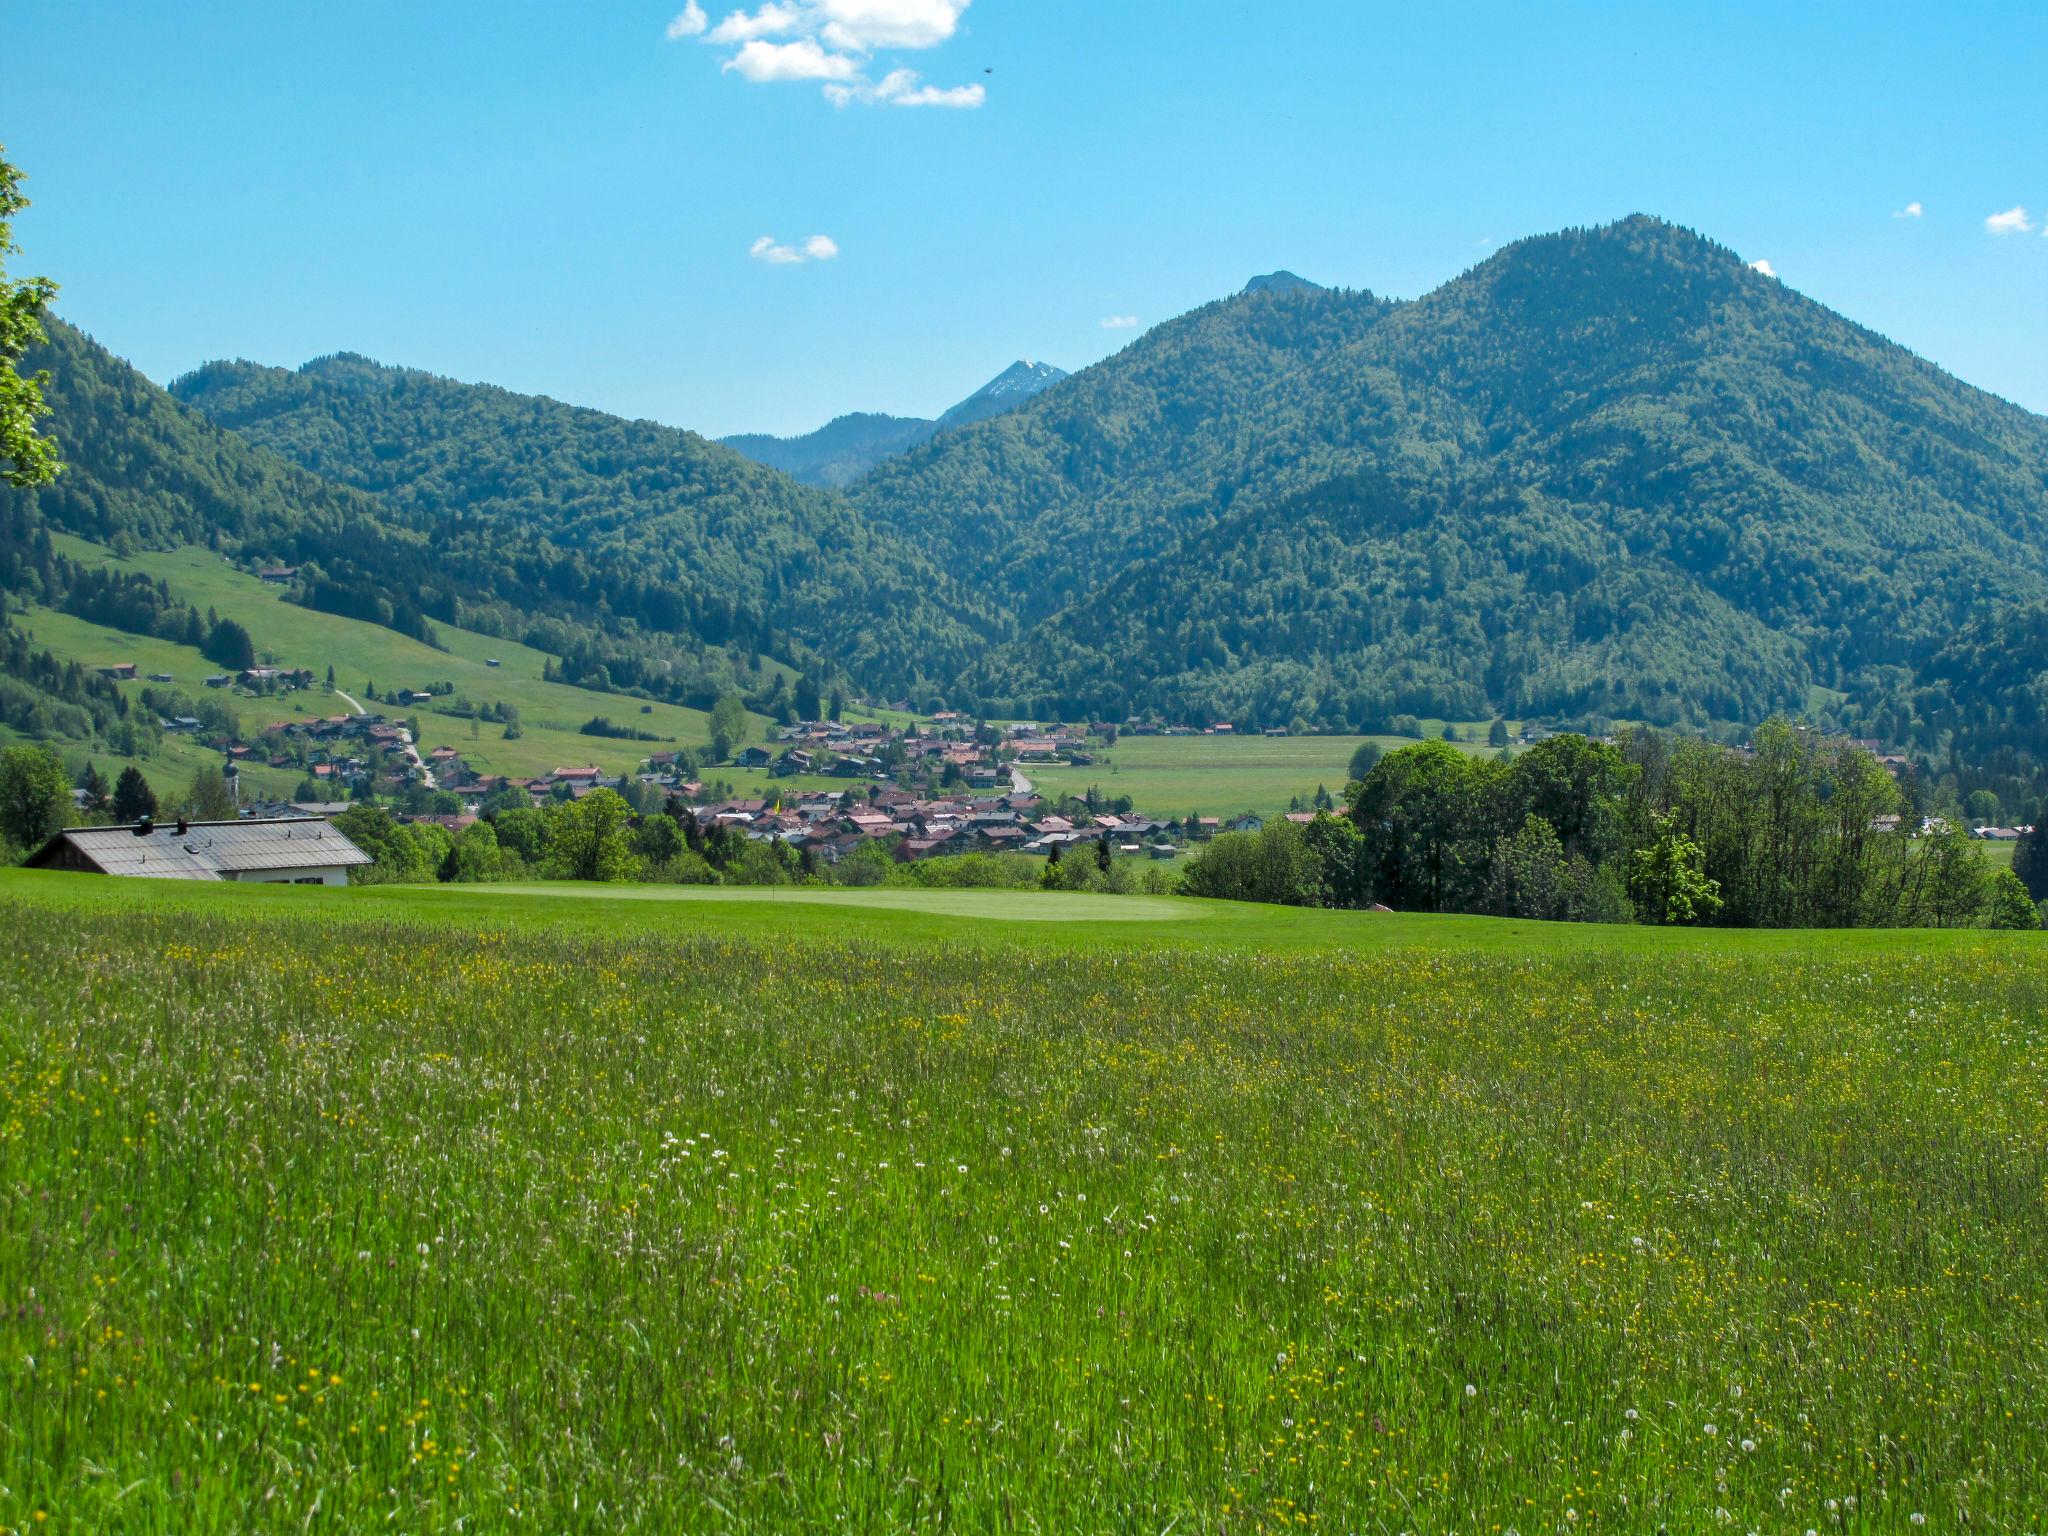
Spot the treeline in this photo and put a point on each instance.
(605, 837)
(1797, 831)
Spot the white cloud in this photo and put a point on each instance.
(772, 20)
(832, 40)
(1119, 322)
(776, 254)
(1764, 267)
(904, 88)
(1910, 211)
(862, 26)
(2013, 221)
(801, 60)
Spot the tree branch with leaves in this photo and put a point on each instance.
(26, 456)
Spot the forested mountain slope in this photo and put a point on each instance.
(629, 519)
(1609, 471)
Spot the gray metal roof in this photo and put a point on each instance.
(211, 850)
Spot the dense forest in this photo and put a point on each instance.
(629, 523)
(1610, 473)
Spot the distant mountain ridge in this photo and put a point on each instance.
(847, 447)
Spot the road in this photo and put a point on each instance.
(406, 747)
(1019, 785)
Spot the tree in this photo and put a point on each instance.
(1275, 864)
(591, 838)
(1497, 734)
(477, 856)
(659, 839)
(2011, 906)
(1577, 785)
(1364, 759)
(1104, 854)
(35, 795)
(211, 797)
(1425, 812)
(2030, 862)
(1528, 873)
(808, 706)
(1337, 847)
(1669, 879)
(94, 788)
(133, 798)
(26, 457)
(1981, 807)
(228, 645)
(728, 726)
(1953, 878)
(1050, 877)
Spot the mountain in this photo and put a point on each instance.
(1609, 472)
(1282, 282)
(625, 520)
(1019, 382)
(847, 447)
(839, 452)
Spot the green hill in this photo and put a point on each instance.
(529, 500)
(1608, 472)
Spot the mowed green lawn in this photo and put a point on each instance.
(550, 713)
(451, 1211)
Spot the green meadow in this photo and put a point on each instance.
(1220, 776)
(550, 713)
(553, 1210)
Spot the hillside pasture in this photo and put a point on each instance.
(550, 713)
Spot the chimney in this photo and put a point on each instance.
(184, 826)
(144, 827)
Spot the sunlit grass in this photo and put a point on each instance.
(348, 1221)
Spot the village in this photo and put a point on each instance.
(940, 788)
(930, 786)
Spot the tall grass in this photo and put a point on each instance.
(359, 1225)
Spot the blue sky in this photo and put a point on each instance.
(564, 198)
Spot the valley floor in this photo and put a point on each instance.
(549, 1209)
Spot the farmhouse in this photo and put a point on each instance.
(294, 850)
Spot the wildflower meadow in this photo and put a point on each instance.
(360, 1223)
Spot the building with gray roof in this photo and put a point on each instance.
(293, 850)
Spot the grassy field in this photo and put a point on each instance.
(1219, 775)
(438, 1211)
(549, 712)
